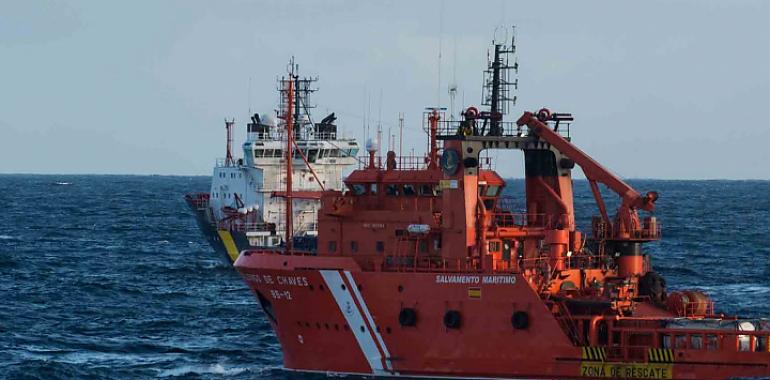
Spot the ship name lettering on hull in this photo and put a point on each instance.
(292, 280)
(626, 370)
(471, 279)
(280, 294)
(279, 280)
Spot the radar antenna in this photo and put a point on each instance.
(499, 79)
(301, 106)
(452, 88)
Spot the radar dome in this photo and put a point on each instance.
(268, 120)
(371, 145)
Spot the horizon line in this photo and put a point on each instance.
(507, 178)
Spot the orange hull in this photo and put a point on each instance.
(346, 321)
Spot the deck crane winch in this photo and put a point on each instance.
(625, 234)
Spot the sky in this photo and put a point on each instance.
(659, 89)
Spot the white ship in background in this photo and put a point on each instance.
(246, 206)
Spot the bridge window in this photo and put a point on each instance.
(311, 155)
(696, 341)
(711, 342)
(277, 153)
(268, 153)
(333, 153)
(392, 190)
(680, 341)
(332, 246)
(494, 246)
(409, 191)
(492, 191)
(258, 153)
(427, 190)
(373, 189)
(380, 246)
(298, 155)
(354, 246)
(358, 189)
(353, 152)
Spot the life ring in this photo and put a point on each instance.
(407, 317)
(452, 319)
(471, 113)
(544, 114)
(520, 320)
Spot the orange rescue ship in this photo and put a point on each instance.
(422, 270)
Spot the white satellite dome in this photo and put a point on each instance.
(268, 119)
(371, 145)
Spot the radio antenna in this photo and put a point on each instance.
(440, 38)
(453, 84)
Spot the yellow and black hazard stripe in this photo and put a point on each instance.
(661, 355)
(229, 243)
(597, 354)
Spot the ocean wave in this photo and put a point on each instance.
(116, 281)
(214, 369)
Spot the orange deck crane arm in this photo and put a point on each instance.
(594, 171)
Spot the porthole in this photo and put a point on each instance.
(407, 317)
(452, 319)
(520, 320)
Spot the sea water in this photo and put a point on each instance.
(108, 277)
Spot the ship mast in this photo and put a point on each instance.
(289, 157)
(229, 161)
(497, 82)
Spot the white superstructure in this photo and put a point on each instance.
(246, 194)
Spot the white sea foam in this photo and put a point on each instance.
(216, 369)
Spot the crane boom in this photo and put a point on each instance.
(592, 169)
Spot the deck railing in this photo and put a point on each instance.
(402, 162)
(636, 339)
(278, 134)
(410, 162)
(506, 219)
(447, 128)
(199, 200)
(649, 230)
(246, 227)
